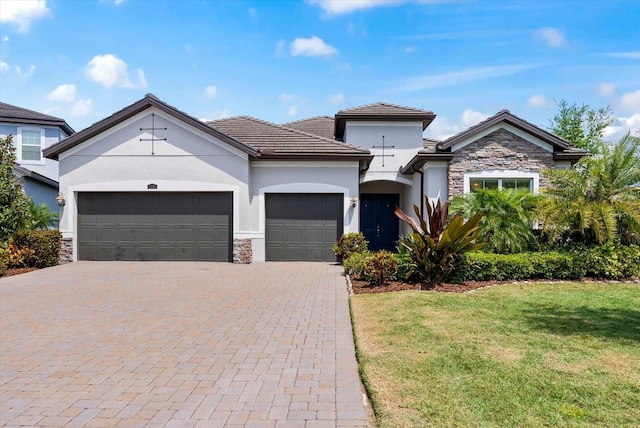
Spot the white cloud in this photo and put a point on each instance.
(3, 66)
(116, 2)
(460, 77)
(81, 107)
(65, 93)
(27, 73)
(552, 36)
(20, 14)
(607, 89)
(336, 99)
(630, 102)
(313, 46)
(210, 92)
(253, 12)
(293, 110)
(109, 71)
(540, 101)
(441, 128)
(625, 55)
(340, 7)
(5, 39)
(285, 98)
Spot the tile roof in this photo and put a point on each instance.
(322, 126)
(383, 109)
(276, 140)
(11, 113)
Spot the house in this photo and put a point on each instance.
(151, 182)
(32, 132)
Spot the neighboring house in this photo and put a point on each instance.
(153, 183)
(32, 132)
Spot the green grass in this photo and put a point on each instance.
(526, 355)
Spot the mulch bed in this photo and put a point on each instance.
(18, 271)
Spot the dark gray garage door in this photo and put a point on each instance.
(302, 226)
(155, 226)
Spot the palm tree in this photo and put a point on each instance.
(39, 217)
(598, 200)
(508, 217)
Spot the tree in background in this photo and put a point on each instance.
(581, 125)
(598, 200)
(508, 215)
(40, 217)
(13, 202)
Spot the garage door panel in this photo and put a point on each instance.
(302, 226)
(154, 226)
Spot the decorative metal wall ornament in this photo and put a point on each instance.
(384, 147)
(153, 129)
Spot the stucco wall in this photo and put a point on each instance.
(500, 150)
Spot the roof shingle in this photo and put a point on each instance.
(322, 126)
(11, 113)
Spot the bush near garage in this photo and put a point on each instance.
(379, 268)
(45, 245)
(348, 244)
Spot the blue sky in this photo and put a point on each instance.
(285, 60)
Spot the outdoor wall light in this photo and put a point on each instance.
(60, 199)
(354, 202)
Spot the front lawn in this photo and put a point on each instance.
(512, 355)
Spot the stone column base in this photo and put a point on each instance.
(242, 251)
(66, 251)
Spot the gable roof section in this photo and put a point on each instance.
(281, 142)
(381, 111)
(148, 101)
(15, 114)
(507, 117)
(322, 126)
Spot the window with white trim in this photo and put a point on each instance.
(31, 145)
(476, 184)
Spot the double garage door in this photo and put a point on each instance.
(198, 226)
(155, 226)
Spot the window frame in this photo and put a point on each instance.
(20, 144)
(502, 175)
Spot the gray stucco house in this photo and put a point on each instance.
(32, 132)
(152, 183)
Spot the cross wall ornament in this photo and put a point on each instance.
(384, 147)
(153, 129)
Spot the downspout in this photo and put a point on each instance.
(421, 172)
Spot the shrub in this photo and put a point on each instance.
(556, 265)
(20, 257)
(437, 244)
(610, 261)
(354, 264)
(44, 243)
(348, 244)
(4, 260)
(406, 266)
(380, 268)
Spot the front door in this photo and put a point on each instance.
(378, 221)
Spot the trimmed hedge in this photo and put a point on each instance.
(606, 262)
(4, 260)
(44, 243)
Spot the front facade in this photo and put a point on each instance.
(153, 183)
(32, 132)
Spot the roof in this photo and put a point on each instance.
(15, 114)
(281, 142)
(511, 119)
(322, 126)
(148, 101)
(381, 111)
(21, 171)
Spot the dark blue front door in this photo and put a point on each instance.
(378, 221)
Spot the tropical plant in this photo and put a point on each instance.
(13, 201)
(349, 243)
(597, 200)
(380, 267)
(436, 244)
(508, 217)
(40, 217)
(581, 125)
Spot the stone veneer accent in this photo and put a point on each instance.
(500, 150)
(242, 251)
(66, 251)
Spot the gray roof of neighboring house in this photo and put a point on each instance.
(381, 111)
(277, 141)
(322, 126)
(149, 100)
(24, 172)
(15, 114)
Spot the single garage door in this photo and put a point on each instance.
(155, 226)
(302, 227)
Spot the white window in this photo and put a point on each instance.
(518, 180)
(30, 146)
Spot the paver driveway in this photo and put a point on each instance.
(178, 344)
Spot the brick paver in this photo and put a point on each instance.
(178, 344)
